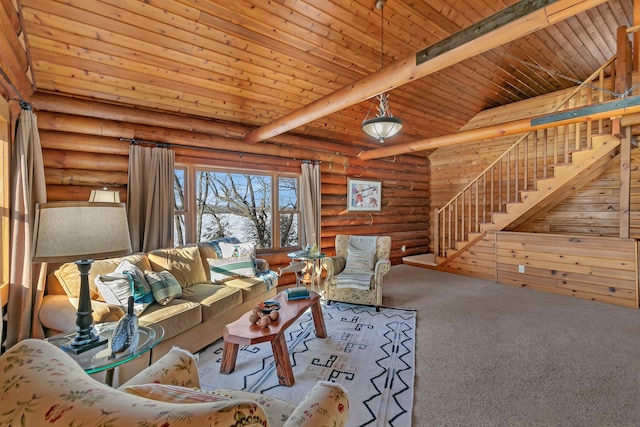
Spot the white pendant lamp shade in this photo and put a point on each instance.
(382, 127)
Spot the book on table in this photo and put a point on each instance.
(297, 293)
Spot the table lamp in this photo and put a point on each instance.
(104, 195)
(81, 231)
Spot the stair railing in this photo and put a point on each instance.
(532, 157)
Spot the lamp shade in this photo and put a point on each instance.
(68, 231)
(382, 127)
(108, 196)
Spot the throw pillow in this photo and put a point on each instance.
(215, 244)
(174, 394)
(237, 249)
(127, 266)
(183, 262)
(141, 289)
(231, 268)
(164, 286)
(115, 288)
(359, 260)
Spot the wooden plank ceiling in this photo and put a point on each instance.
(253, 61)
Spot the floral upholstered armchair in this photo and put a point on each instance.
(356, 272)
(42, 385)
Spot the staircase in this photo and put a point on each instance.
(528, 179)
(550, 191)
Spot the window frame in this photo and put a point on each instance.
(190, 201)
(5, 160)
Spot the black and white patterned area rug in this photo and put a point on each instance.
(372, 354)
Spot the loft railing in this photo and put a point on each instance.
(532, 157)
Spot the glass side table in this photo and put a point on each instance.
(313, 260)
(100, 359)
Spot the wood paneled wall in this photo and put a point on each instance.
(478, 261)
(595, 208)
(82, 151)
(596, 268)
(575, 249)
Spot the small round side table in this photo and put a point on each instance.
(100, 358)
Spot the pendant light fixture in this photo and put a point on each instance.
(384, 125)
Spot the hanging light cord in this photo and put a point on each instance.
(382, 36)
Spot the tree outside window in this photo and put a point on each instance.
(238, 204)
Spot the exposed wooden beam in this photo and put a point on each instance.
(405, 71)
(606, 110)
(496, 21)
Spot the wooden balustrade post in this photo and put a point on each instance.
(436, 233)
(625, 184)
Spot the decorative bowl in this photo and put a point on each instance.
(268, 306)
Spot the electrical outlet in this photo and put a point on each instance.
(521, 269)
(403, 248)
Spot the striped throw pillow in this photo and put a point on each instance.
(164, 286)
(231, 268)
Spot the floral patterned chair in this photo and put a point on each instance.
(42, 385)
(356, 272)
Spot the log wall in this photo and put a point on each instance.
(82, 151)
(13, 61)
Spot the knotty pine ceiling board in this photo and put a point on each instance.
(252, 61)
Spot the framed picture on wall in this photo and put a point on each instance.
(363, 195)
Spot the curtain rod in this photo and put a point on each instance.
(23, 104)
(134, 141)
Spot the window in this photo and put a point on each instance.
(180, 207)
(288, 211)
(246, 205)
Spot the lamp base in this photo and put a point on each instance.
(79, 345)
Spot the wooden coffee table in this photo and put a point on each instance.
(241, 332)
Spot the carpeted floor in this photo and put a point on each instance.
(495, 355)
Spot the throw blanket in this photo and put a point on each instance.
(363, 243)
(358, 271)
(270, 278)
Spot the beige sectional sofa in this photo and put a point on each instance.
(192, 321)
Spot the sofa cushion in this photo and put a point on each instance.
(164, 286)
(214, 299)
(183, 262)
(225, 269)
(207, 251)
(176, 317)
(251, 287)
(69, 277)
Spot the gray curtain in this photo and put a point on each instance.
(310, 204)
(150, 196)
(26, 279)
